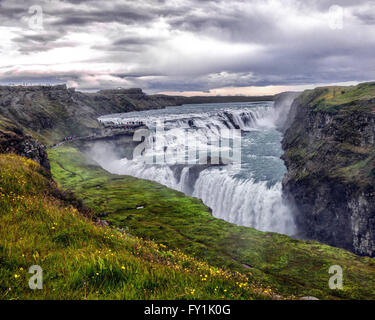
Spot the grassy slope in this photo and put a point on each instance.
(81, 260)
(340, 98)
(289, 266)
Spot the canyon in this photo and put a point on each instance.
(328, 147)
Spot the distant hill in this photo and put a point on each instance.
(217, 99)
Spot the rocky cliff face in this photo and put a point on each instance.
(13, 140)
(330, 155)
(51, 113)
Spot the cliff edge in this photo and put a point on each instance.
(330, 155)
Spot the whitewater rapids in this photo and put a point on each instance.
(251, 196)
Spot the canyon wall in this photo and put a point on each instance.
(50, 113)
(329, 146)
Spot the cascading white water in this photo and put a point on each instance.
(245, 202)
(249, 197)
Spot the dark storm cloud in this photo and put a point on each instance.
(133, 41)
(367, 18)
(366, 14)
(224, 43)
(326, 4)
(42, 41)
(235, 26)
(123, 15)
(10, 14)
(38, 38)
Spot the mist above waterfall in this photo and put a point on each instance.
(282, 105)
(249, 195)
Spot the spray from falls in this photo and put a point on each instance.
(249, 197)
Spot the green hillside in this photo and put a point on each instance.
(81, 260)
(290, 267)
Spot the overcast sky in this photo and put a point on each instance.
(188, 46)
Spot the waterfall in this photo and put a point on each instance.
(246, 203)
(226, 118)
(237, 197)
